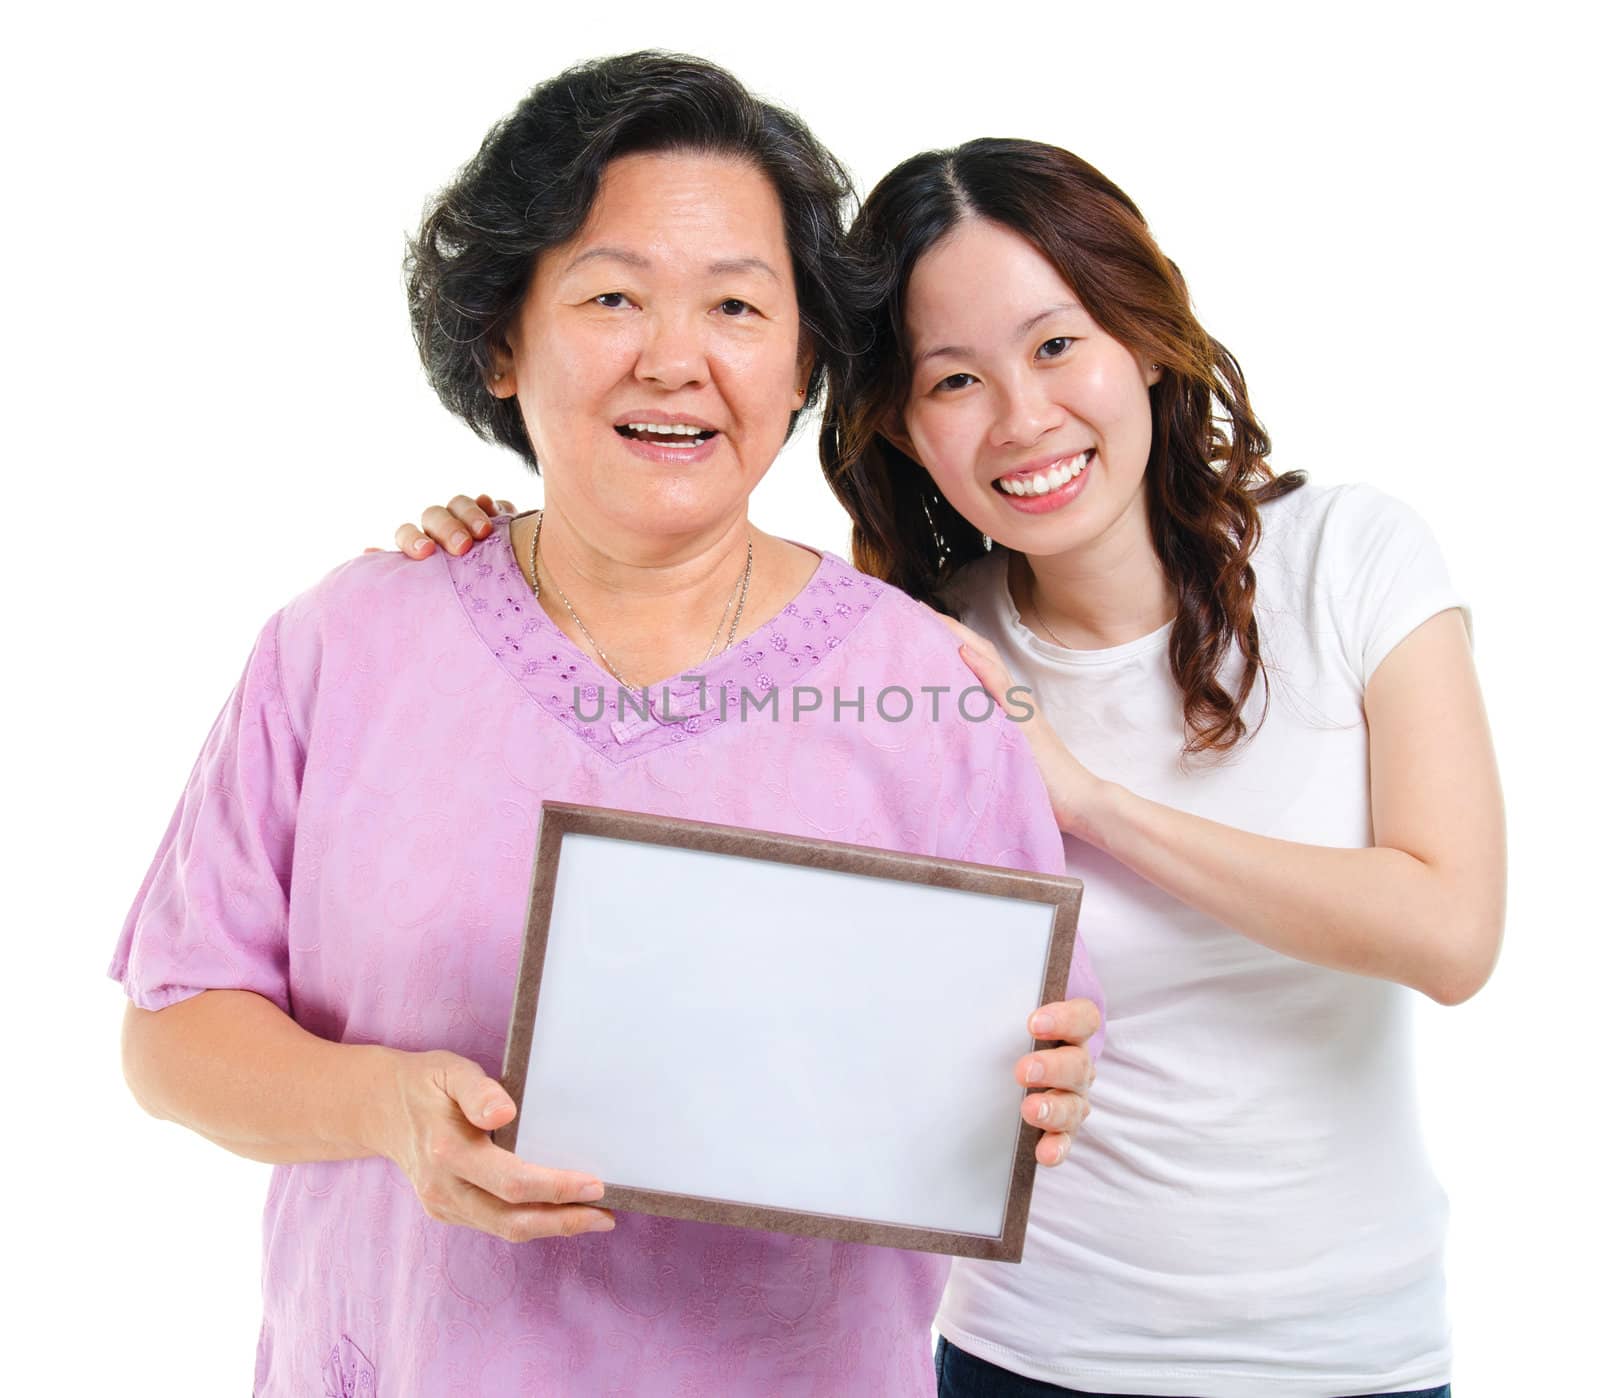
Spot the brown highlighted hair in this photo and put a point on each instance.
(1207, 471)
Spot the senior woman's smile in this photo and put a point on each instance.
(658, 354)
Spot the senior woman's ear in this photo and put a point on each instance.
(502, 381)
(804, 364)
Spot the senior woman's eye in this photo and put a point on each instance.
(1056, 347)
(733, 306)
(611, 300)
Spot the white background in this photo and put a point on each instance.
(211, 398)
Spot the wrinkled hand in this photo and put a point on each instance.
(1064, 1075)
(434, 1125)
(452, 527)
(1074, 790)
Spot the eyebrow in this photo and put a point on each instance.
(721, 268)
(632, 259)
(730, 265)
(967, 352)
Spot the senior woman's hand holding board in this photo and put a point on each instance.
(270, 1091)
(789, 979)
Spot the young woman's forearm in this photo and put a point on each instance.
(1375, 912)
(236, 1069)
(1424, 906)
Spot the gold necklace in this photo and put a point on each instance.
(1038, 614)
(741, 590)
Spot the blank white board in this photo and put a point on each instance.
(805, 1043)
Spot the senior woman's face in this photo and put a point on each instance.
(673, 308)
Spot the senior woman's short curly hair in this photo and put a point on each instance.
(532, 184)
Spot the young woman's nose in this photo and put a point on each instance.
(1025, 414)
(673, 354)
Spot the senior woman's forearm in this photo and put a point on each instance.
(233, 1067)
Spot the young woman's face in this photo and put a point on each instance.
(657, 355)
(1032, 421)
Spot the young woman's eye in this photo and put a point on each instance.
(1054, 349)
(733, 306)
(951, 382)
(611, 300)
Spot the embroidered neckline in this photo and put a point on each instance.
(585, 700)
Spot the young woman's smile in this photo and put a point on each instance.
(1043, 486)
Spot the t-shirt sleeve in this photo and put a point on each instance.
(1386, 575)
(213, 911)
(1016, 830)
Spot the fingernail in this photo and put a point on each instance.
(481, 528)
(420, 545)
(1035, 1069)
(489, 1108)
(590, 1192)
(458, 539)
(1041, 1026)
(1041, 1113)
(1061, 1152)
(604, 1224)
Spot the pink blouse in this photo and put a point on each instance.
(354, 844)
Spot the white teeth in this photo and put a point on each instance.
(1051, 478)
(668, 429)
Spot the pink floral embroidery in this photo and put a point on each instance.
(348, 1373)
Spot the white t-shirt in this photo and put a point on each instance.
(1249, 1209)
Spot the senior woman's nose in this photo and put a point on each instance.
(673, 354)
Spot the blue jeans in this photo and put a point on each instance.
(963, 1375)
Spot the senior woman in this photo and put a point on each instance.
(631, 285)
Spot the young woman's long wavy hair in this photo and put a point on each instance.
(1207, 471)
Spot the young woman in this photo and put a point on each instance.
(1264, 743)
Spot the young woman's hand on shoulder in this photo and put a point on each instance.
(452, 527)
(1074, 790)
